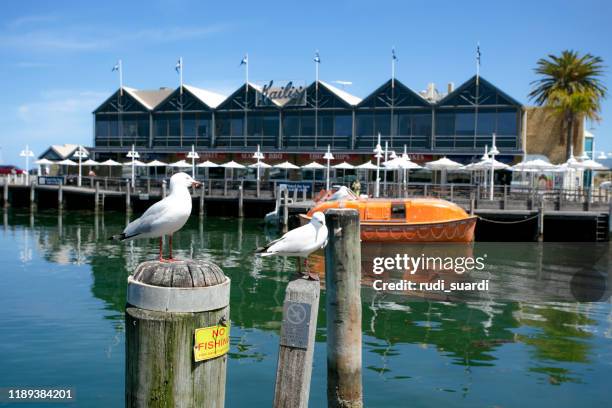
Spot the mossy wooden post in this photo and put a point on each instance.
(202, 203)
(297, 343)
(60, 196)
(286, 211)
(241, 200)
(343, 303)
(164, 189)
(32, 195)
(166, 303)
(128, 196)
(5, 192)
(97, 197)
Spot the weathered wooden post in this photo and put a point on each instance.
(286, 211)
(505, 202)
(128, 194)
(177, 335)
(304, 194)
(472, 204)
(202, 209)
(97, 197)
(297, 342)
(241, 200)
(33, 195)
(295, 194)
(541, 221)
(148, 186)
(163, 188)
(5, 192)
(343, 303)
(225, 187)
(60, 196)
(425, 190)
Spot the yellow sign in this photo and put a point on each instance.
(211, 342)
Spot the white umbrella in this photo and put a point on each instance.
(591, 164)
(486, 165)
(367, 166)
(444, 164)
(287, 166)
(208, 164)
(344, 166)
(180, 164)
(534, 165)
(110, 162)
(67, 162)
(313, 166)
(232, 165)
(90, 162)
(260, 165)
(44, 162)
(156, 163)
(137, 163)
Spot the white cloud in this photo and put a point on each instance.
(30, 20)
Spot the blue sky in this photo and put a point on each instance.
(57, 56)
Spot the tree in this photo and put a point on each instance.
(570, 84)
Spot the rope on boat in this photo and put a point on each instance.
(508, 222)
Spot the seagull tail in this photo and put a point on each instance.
(121, 237)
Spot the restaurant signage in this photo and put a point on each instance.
(280, 93)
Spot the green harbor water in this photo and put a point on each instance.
(526, 342)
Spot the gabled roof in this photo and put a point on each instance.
(345, 96)
(211, 99)
(149, 98)
(64, 151)
(402, 93)
(238, 94)
(484, 85)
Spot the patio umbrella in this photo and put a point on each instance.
(43, 162)
(314, 166)
(137, 163)
(109, 163)
(444, 165)
(90, 162)
(155, 164)
(232, 165)
(67, 162)
(534, 165)
(287, 166)
(344, 166)
(260, 165)
(207, 165)
(181, 164)
(486, 165)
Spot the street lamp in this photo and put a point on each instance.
(80, 154)
(328, 156)
(492, 153)
(258, 155)
(193, 155)
(379, 155)
(27, 153)
(133, 154)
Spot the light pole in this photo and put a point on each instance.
(492, 153)
(133, 154)
(258, 155)
(379, 155)
(193, 155)
(27, 153)
(328, 156)
(80, 154)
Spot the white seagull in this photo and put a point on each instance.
(300, 242)
(165, 217)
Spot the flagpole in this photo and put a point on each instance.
(246, 99)
(121, 77)
(477, 93)
(393, 59)
(317, 61)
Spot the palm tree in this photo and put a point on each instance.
(570, 84)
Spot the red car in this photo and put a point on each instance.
(8, 169)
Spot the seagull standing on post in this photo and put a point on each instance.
(300, 242)
(165, 217)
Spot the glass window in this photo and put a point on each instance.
(308, 125)
(365, 124)
(203, 127)
(326, 124)
(486, 123)
(343, 125)
(507, 123)
(101, 126)
(270, 125)
(237, 126)
(143, 125)
(421, 124)
(382, 122)
(464, 123)
(403, 124)
(223, 124)
(174, 125)
(291, 125)
(189, 124)
(445, 123)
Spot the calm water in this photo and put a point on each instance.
(62, 300)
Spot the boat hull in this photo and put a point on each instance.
(443, 231)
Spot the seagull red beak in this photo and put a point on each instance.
(196, 184)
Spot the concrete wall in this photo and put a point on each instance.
(546, 134)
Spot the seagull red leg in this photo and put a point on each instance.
(170, 249)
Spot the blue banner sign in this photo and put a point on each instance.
(299, 186)
(51, 180)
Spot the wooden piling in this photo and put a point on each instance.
(97, 197)
(32, 195)
(297, 342)
(128, 194)
(167, 305)
(286, 212)
(209, 187)
(164, 189)
(148, 186)
(343, 308)
(505, 202)
(541, 221)
(60, 196)
(5, 192)
(295, 195)
(304, 194)
(241, 200)
(202, 208)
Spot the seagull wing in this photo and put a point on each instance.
(145, 223)
(292, 242)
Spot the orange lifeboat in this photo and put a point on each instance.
(406, 219)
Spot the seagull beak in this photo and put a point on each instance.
(196, 184)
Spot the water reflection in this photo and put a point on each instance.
(525, 315)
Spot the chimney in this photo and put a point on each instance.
(451, 87)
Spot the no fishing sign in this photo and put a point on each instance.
(211, 342)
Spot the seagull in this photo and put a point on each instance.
(300, 242)
(165, 217)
